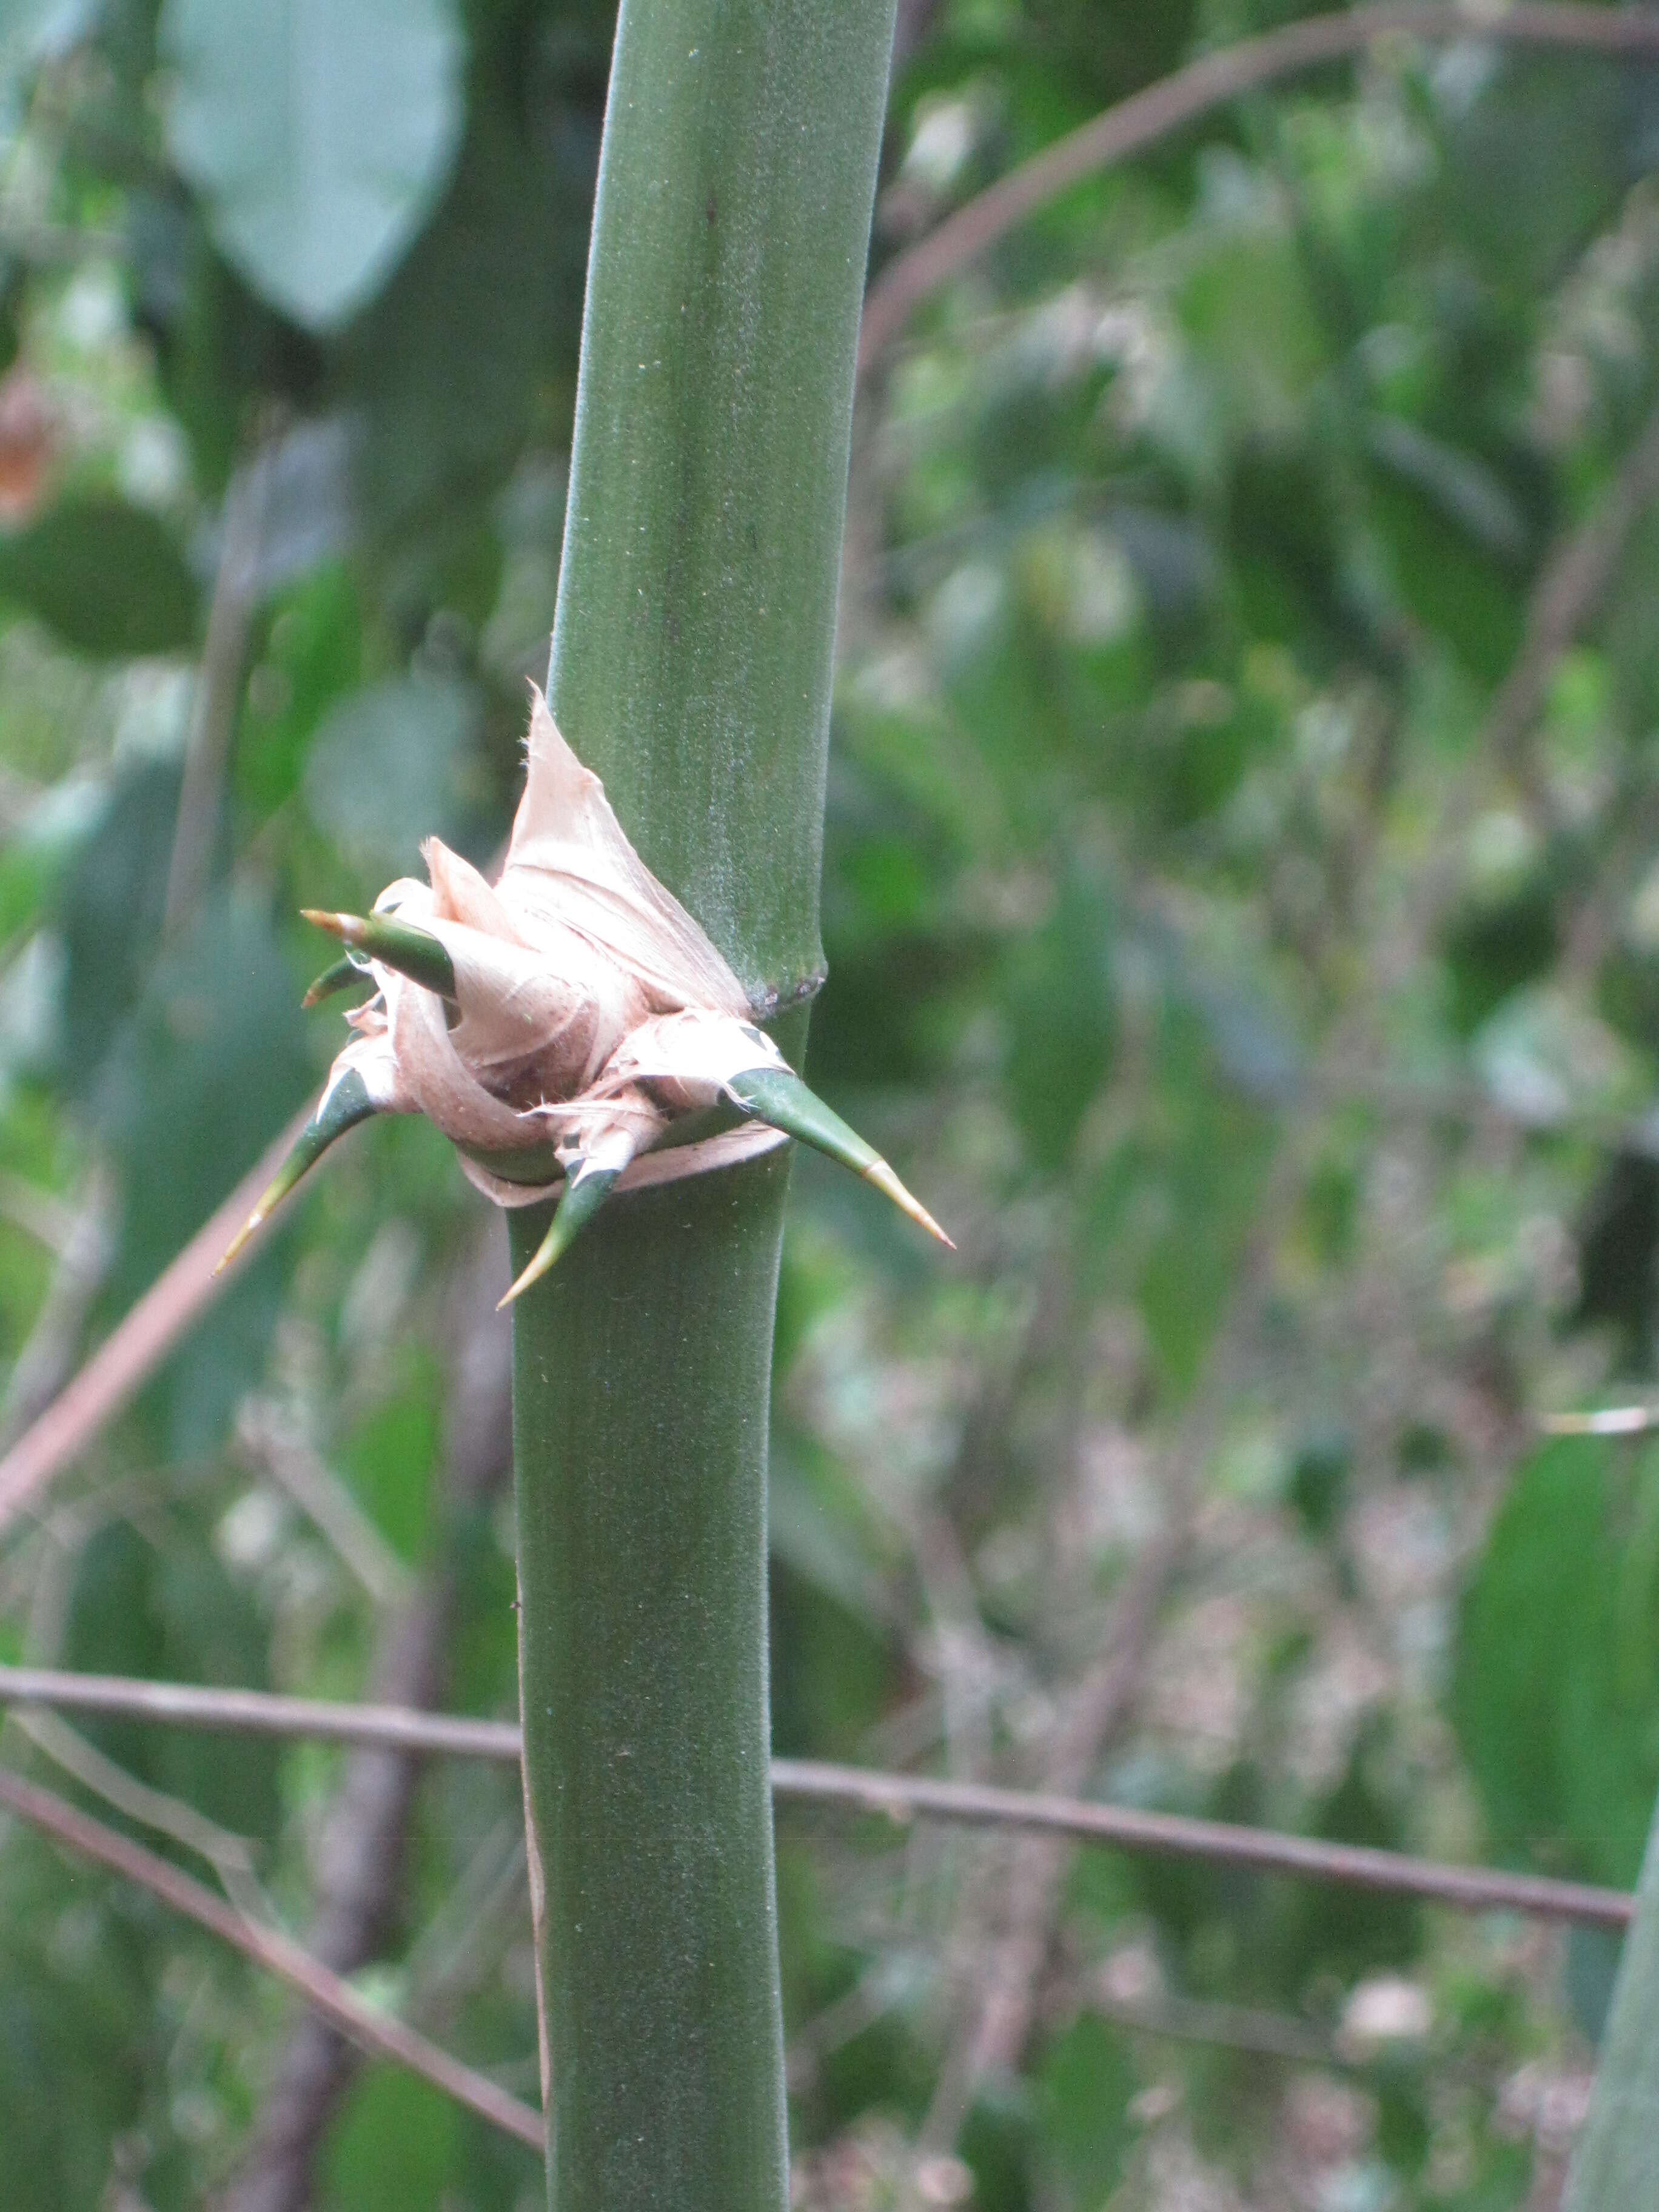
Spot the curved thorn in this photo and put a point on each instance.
(777, 1096)
(584, 1193)
(340, 977)
(341, 1108)
(394, 944)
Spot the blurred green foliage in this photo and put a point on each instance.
(1277, 1036)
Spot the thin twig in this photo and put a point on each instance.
(376, 2031)
(230, 1855)
(912, 24)
(1573, 584)
(258, 1712)
(902, 1796)
(1211, 82)
(278, 1448)
(136, 1346)
(41, 1214)
(47, 1361)
(1238, 2027)
(1469, 1889)
(218, 688)
(1608, 1421)
(1001, 1973)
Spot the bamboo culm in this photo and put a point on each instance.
(691, 667)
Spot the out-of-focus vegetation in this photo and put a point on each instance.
(1242, 917)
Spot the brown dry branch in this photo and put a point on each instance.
(1573, 587)
(1002, 1947)
(1139, 122)
(366, 1834)
(258, 1712)
(912, 23)
(372, 2031)
(902, 1797)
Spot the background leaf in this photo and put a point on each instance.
(319, 131)
(109, 578)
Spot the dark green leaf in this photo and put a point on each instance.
(1557, 1675)
(393, 2147)
(108, 577)
(1086, 2081)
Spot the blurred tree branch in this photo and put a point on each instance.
(132, 1351)
(1169, 105)
(45, 1363)
(1570, 590)
(231, 1857)
(902, 1797)
(218, 685)
(325, 1992)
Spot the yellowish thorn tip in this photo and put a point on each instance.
(552, 1247)
(348, 927)
(887, 1182)
(534, 1274)
(586, 1190)
(255, 1221)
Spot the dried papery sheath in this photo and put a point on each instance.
(572, 1016)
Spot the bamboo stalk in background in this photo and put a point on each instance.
(1615, 2164)
(691, 667)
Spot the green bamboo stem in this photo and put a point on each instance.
(1615, 2164)
(691, 667)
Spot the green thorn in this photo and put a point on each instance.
(584, 1193)
(777, 1096)
(340, 977)
(394, 944)
(343, 1107)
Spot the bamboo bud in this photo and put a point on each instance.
(575, 1003)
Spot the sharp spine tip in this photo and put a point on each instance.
(777, 1096)
(889, 1184)
(341, 1108)
(583, 1194)
(340, 977)
(413, 952)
